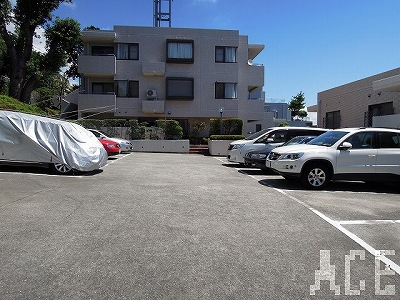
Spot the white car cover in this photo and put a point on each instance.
(30, 138)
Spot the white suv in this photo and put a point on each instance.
(267, 139)
(366, 154)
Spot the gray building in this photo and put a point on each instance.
(375, 99)
(150, 73)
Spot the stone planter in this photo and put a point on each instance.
(218, 147)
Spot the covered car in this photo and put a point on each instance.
(65, 146)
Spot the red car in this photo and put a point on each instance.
(111, 147)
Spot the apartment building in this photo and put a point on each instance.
(150, 73)
(362, 103)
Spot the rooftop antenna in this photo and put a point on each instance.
(159, 15)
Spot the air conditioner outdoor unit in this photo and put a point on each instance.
(151, 94)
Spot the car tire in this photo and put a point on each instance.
(61, 169)
(315, 177)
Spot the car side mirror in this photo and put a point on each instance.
(345, 146)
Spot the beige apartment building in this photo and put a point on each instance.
(372, 101)
(150, 73)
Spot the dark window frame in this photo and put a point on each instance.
(132, 89)
(129, 51)
(224, 58)
(333, 119)
(99, 50)
(218, 92)
(103, 85)
(180, 60)
(179, 97)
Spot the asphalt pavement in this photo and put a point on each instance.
(187, 226)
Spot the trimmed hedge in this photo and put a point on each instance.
(226, 137)
(230, 126)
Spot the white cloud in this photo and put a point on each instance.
(71, 5)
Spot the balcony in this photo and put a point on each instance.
(255, 75)
(153, 68)
(153, 106)
(103, 36)
(254, 50)
(104, 65)
(97, 102)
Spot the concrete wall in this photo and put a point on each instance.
(169, 146)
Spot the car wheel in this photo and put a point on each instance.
(315, 177)
(61, 168)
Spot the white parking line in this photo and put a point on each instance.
(368, 222)
(338, 225)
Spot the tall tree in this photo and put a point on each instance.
(297, 105)
(27, 66)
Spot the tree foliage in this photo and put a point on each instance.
(297, 105)
(26, 65)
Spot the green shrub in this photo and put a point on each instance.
(172, 129)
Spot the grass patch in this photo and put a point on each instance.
(8, 103)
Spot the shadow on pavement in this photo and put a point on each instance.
(343, 186)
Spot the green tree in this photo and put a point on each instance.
(28, 67)
(297, 105)
(50, 90)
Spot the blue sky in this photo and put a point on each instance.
(310, 45)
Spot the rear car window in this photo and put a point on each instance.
(388, 140)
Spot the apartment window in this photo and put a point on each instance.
(127, 51)
(179, 88)
(180, 51)
(127, 88)
(224, 90)
(102, 88)
(102, 50)
(225, 54)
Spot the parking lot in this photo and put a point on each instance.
(184, 226)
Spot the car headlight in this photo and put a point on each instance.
(237, 146)
(291, 156)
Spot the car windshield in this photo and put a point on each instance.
(328, 138)
(257, 134)
(299, 140)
